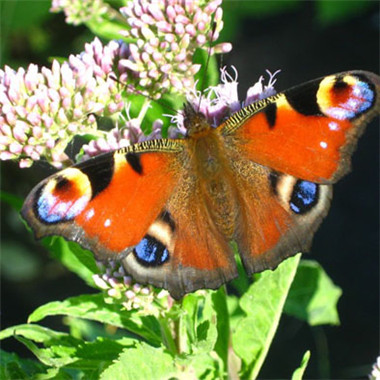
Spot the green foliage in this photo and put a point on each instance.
(313, 297)
(207, 335)
(329, 12)
(262, 304)
(298, 373)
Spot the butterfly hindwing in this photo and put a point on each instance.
(310, 130)
(278, 215)
(184, 249)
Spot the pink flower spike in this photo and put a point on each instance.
(10, 118)
(99, 282)
(212, 6)
(15, 148)
(171, 14)
(190, 28)
(21, 112)
(179, 29)
(50, 143)
(37, 132)
(13, 95)
(180, 19)
(113, 293)
(156, 12)
(222, 48)
(6, 156)
(25, 163)
(201, 39)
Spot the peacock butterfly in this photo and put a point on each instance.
(170, 208)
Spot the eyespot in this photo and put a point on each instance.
(151, 252)
(304, 196)
(63, 197)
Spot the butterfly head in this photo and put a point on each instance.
(194, 121)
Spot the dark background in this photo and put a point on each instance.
(304, 43)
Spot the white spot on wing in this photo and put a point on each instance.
(90, 213)
(323, 144)
(107, 223)
(333, 126)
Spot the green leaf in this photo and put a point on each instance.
(263, 304)
(211, 76)
(142, 362)
(34, 332)
(313, 297)
(22, 15)
(55, 355)
(202, 365)
(298, 373)
(219, 301)
(206, 331)
(13, 367)
(329, 12)
(13, 200)
(108, 29)
(74, 257)
(94, 307)
(60, 349)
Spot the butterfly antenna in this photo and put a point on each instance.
(207, 63)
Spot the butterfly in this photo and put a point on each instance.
(170, 208)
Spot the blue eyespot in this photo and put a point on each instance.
(304, 196)
(361, 100)
(51, 209)
(151, 252)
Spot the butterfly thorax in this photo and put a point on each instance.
(214, 179)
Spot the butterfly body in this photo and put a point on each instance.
(169, 209)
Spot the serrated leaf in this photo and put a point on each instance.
(313, 297)
(142, 362)
(93, 307)
(60, 349)
(263, 304)
(298, 373)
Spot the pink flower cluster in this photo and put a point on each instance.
(116, 283)
(221, 101)
(41, 110)
(80, 11)
(167, 34)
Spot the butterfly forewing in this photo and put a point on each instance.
(311, 130)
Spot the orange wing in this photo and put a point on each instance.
(107, 203)
(309, 131)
